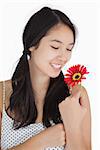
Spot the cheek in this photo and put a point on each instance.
(68, 57)
(48, 55)
(41, 58)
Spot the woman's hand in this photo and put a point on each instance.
(50, 137)
(54, 136)
(75, 112)
(73, 109)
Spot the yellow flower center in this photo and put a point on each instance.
(76, 76)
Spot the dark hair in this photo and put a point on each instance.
(22, 101)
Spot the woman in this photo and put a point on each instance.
(38, 111)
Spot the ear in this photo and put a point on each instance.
(31, 49)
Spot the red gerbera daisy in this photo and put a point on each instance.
(75, 74)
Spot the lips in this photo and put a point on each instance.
(56, 66)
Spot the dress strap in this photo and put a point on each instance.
(4, 94)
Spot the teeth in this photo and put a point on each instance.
(56, 66)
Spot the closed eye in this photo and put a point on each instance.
(69, 49)
(58, 48)
(55, 47)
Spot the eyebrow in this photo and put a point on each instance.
(60, 42)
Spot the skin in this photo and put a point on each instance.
(42, 66)
(44, 56)
(75, 112)
(43, 71)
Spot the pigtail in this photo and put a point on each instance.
(22, 97)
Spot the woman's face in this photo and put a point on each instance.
(53, 52)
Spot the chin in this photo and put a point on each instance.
(54, 75)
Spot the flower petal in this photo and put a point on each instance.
(71, 77)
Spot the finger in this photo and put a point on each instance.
(84, 99)
(70, 89)
(76, 95)
(75, 89)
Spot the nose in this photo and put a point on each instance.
(63, 55)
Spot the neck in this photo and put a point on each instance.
(40, 83)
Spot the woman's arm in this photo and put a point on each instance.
(50, 137)
(34, 143)
(75, 112)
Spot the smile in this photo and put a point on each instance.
(56, 66)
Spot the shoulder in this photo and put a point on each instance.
(8, 91)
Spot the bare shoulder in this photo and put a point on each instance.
(8, 91)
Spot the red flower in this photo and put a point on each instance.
(75, 74)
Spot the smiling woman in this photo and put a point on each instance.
(55, 53)
(34, 100)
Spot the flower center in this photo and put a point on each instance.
(76, 76)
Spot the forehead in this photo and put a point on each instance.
(61, 32)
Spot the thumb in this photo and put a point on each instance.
(76, 95)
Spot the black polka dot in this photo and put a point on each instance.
(11, 137)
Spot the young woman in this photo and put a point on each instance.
(38, 112)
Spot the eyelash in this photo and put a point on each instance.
(55, 47)
(69, 50)
(58, 48)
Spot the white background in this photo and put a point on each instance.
(85, 15)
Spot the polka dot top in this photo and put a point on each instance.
(11, 137)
